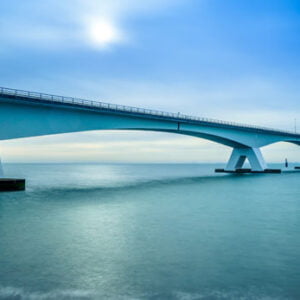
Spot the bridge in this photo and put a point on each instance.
(29, 114)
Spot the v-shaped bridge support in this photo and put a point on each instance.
(239, 155)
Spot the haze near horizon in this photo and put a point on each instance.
(236, 61)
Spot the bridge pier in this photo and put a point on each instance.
(255, 158)
(239, 156)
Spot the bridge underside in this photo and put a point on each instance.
(21, 119)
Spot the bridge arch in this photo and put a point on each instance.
(26, 114)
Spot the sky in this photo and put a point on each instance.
(231, 60)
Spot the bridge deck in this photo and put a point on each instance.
(36, 97)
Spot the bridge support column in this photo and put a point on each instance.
(239, 155)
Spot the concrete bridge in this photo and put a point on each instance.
(29, 114)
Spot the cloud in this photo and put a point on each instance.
(131, 147)
(253, 100)
(71, 23)
(179, 62)
(113, 146)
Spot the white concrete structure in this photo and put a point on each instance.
(239, 155)
(27, 114)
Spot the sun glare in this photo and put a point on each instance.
(103, 33)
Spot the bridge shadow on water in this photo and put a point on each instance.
(239, 182)
(53, 188)
(158, 230)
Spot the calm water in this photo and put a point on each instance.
(149, 232)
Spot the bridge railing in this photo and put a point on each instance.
(124, 108)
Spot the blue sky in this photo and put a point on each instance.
(232, 60)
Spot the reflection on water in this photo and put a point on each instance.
(88, 231)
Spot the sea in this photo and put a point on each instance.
(149, 231)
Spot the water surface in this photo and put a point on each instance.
(101, 231)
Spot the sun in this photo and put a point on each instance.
(102, 33)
